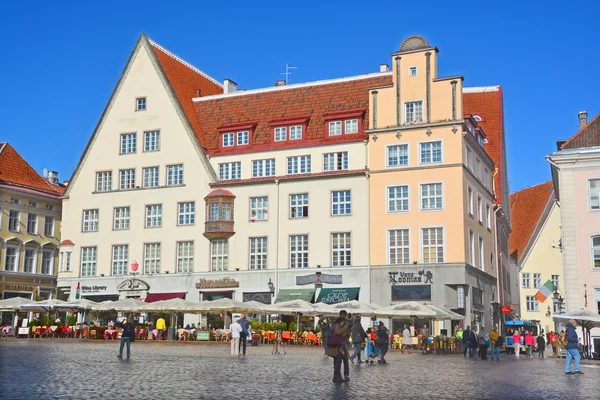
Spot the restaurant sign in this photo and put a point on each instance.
(18, 288)
(217, 283)
(399, 277)
(318, 278)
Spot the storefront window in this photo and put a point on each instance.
(411, 293)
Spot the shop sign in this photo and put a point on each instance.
(505, 309)
(217, 283)
(399, 277)
(318, 278)
(18, 288)
(202, 335)
(93, 289)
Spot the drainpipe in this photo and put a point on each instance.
(366, 142)
(277, 242)
(498, 261)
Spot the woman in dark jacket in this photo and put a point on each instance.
(541, 345)
(382, 341)
(126, 335)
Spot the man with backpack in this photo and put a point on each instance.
(358, 337)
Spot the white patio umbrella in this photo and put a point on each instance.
(83, 304)
(173, 305)
(443, 314)
(353, 307)
(289, 307)
(127, 305)
(406, 310)
(46, 305)
(586, 319)
(226, 304)
(13, 304)
(255, 305)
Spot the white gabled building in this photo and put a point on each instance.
(215, 194)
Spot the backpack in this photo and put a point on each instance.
(500, 341)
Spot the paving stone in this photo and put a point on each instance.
(73, 369)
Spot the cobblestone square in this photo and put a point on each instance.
(73, 369)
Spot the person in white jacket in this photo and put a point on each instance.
(236, 330)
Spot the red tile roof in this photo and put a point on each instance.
(488, 105)
(16, 172)
(526, 209)
(67, 242)
(186, 80)
(265, 107)
(220, 193)
(588, 136)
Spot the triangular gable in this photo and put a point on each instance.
(176, 80)
(588, 136)
(530, 210)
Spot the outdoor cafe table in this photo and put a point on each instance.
(312, 337)
(286, 336)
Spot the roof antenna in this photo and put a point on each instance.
(287, 72)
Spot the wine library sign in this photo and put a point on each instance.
(399, 277)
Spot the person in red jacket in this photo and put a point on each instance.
(529, 343)
(517, 342)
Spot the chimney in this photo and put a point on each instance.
(582, 119)
(229, 86)
(280, 82)
(53, 177)
(384, 68)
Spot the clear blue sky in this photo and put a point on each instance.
(61, 60)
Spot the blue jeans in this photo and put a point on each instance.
(572, 354)
(124, 340)
(357, 350)
(242, 345)
(466, 348)
(495, 349)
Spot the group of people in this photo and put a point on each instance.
(478, 343)
(240, 332)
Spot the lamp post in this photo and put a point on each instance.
(271, 289)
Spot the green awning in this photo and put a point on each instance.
(295, 294)
(338, 295)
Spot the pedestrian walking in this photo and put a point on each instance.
(127, 336)
(541, 345)
(572, 351)
(337, 346)
(529, 343)
(358, 337)
(484, 340)
(236, 329)
(382, 342)
(494, 335)
(406, 340)
(459, 339)
(325, 330)
(467, 342)
(160, 327)
(473, 344)
(244, 335)
(424, 336)
(517, 342)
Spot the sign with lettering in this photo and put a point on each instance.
(93, 289)
(318, 278)
(400, 277)
(217, 283)
(202, 335)
(19, 288)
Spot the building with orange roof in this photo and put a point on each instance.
(227, 190)
(536, 248)
(30, 217)
(576, 176)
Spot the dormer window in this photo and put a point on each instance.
(219, 215)
(351, 126)
(280, 134)
(295, 132)
(243, 138)
(228, 139)
(335, 128)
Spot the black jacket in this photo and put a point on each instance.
(358, 333)
(128, 331)
(541, 342)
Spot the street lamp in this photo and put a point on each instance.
(271, 286)
(558, 300)
(549, 312)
